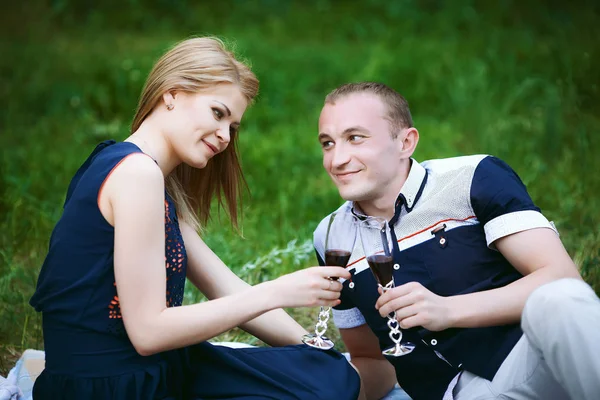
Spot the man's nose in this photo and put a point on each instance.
(340, 156)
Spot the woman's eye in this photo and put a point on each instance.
(218, 113)
(355, 138)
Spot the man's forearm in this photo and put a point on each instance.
(378, 376)
(503, 305)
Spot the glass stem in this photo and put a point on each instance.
(321, 325)
(395, 333)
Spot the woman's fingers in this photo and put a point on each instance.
(333, 272)
(328, 303)
(334, 286)
(329, 295)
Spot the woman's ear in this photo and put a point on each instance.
(169, 99)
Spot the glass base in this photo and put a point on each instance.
(318, 342)
(401, 349)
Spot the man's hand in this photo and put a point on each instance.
(415, 306)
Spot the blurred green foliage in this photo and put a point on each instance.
(519, 80)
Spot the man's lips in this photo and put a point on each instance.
(345, 175)
(210, 146)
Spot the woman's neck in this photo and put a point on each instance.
(154, 144)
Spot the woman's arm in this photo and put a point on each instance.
(135, 194)
(215, 280)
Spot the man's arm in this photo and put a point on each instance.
(515, 227)
(378, 376)
(538, 254)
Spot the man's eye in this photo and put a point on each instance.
(218, 114)
(355, 138)
(326, 144)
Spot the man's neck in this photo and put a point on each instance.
(374, 210)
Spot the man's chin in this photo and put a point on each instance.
(350, 195)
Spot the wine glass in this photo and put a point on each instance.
(376, 241)
(339, 242)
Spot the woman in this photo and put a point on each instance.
(111, 286)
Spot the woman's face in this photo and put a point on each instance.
(201, 125)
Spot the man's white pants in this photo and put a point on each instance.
(558, 356)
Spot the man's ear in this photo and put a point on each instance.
(408, 142)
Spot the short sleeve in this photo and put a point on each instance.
(501, 202)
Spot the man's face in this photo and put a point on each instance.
(359, 152)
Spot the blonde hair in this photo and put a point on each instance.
(398, 111)
(191, 66)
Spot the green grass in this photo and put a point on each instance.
(517, 81)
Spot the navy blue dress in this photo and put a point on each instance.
(88, 352)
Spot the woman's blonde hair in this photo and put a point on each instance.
(191, 66)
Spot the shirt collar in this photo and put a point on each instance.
(409, 194)
(413, 187)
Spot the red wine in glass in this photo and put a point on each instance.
(337, 257)
(382, 267)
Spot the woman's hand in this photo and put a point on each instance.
(315, 286)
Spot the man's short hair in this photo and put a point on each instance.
(398, 112)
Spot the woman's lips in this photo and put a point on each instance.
(210, 146)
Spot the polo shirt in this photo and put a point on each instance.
(447, 216)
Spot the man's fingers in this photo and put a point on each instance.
(405, 312)
(410, 322)
(386, 305)
(401, 290)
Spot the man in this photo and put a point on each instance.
(469, 248)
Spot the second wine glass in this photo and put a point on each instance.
(375, 238)
(339, 243)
